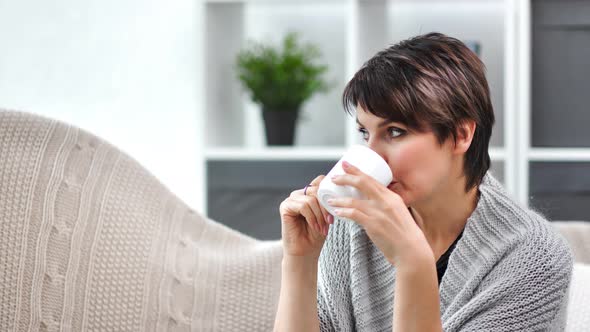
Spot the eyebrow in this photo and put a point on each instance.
(381, 124)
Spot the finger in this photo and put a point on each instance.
(290, 207)
(355, 215)
(309, 215)
(361, 205)
(322, 221)
(364, 183)
(312, 187)
(295, 207)
(312, 190)
(317, 180)
(345, 202)
(326, 214)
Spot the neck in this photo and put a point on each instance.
(443, 216)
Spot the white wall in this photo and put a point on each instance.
(125, 70)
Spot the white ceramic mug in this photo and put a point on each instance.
(363, 158)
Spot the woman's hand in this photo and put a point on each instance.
(383, 215)
(304, 222)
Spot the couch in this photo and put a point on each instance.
(89, 240)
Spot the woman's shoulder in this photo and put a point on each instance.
(523, 225)
(511, 259)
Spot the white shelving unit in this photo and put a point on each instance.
(349, 32)
(526, 152)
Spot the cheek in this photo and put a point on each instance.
(415, 164)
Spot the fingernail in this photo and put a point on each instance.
(331, 219)
(345, 164)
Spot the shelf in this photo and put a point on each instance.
(559, 154)
(299, 153)
(275, 2)
(349, 32)
(231, 119)
(497, 153)
(343, 2)
(275, 153)
(434, 2)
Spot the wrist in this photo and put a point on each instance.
(299, 270)
(300, 261)
(417, 261)
(416, 253)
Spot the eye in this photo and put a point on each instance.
(395, 132)
(364, 133)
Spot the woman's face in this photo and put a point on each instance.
(420, 166)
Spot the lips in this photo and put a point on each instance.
(391, 184)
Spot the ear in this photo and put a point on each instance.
(465, 132)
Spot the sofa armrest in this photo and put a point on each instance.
(577, 233)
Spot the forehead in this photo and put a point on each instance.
(369, 119)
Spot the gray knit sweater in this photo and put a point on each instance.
(510, 271)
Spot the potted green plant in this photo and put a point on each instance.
(280, 81)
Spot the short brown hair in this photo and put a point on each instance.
(429, 82)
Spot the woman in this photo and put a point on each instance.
(443, 247)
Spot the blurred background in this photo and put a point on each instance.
(195, 90)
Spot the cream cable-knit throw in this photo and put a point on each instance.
(89, 240)
(510, 271)
(578, 310)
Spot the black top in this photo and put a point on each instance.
(441, 264)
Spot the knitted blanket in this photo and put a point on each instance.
(89, 240)
(510, 271)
